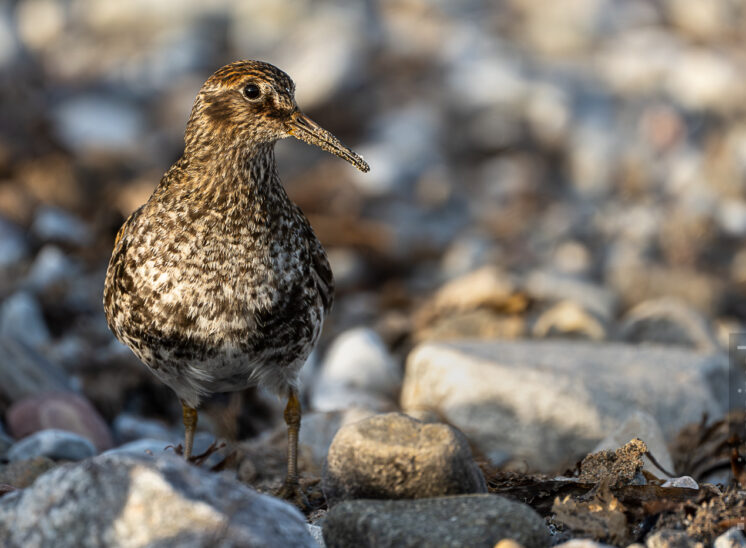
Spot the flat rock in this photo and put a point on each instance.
(468, 520)
(122, 500)
(394, 456)
(551, 402)
(61, 410)
(54, 444)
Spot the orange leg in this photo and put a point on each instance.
(291, 489)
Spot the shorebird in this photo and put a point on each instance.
(218, 282)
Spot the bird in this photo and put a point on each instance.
(218, 282)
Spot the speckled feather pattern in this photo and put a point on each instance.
(218, 282)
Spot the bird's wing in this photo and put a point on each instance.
(322, 272)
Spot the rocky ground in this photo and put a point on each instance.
(539, 281)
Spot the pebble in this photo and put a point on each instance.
(732, 538)
(358, 360)
(587, 543)
(163, 501)
(467, 520)
(686, 482)
(318, 430)
(394, 456)
(65, 411)
(668, 321)
(21, 318)
(54, 444)
(550, 402)
(551, 286)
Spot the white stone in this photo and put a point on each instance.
(357, 361)
(732, 538)
(52, 443)
(57, 225)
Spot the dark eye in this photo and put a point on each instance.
(252, 91)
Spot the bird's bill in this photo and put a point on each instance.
(303, 128)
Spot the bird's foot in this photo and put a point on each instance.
(202, 457)
(292, 492)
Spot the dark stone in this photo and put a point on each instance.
(468, 520)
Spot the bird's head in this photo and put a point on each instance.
(248, 104)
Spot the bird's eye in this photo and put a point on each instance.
(252, 91)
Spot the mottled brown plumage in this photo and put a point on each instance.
(218, 282)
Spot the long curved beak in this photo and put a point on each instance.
(302, 127)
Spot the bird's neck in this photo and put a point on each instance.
(232, 179)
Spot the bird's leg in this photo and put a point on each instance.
(190, 425)
(291, 488)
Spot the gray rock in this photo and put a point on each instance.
(358, 360)
(670, 538)
(639, 424)
(472, 520)
(550, 402)
(668, 321)
(52, 224)
(52, 443)
(394, 456)
(732, 538)
(546, 285)
(21, 318)
(13, 244)
(122, 500)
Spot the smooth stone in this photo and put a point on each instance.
(52, 224)
(670, 538)
(668, 321)
(24, 372)
(394, 456)
(639, 424)
(54, 444)
(467, 520)
(122, 500)
(21, 318)
(732, 538)
(359, 360)
(60, 410)
(550, 402)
